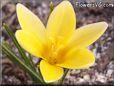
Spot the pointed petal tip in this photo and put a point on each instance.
(18, 5)
(104, 24)
(66, 2)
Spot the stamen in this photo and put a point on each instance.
(54, 51)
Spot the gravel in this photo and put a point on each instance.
(101, 73)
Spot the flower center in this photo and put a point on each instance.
(54, 52)
(52, 58)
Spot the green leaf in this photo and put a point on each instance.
(39, 73)
(21, 51)
(7, 50)
(63, 77)
(31, 61)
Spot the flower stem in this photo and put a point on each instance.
(61, 81)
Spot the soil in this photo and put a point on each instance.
(101, 73)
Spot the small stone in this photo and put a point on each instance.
(101, 78)
(96, 45)
(29, 81)
(39, 9)
(109, 72)
(44, 5)
(105, 48)
(77, 71)
(109, 38)
(98, 55)
(87, 77)
(95, 51)
(80, 80)
(35, 60)
(68, 76)
(93, 79)
(5, 77)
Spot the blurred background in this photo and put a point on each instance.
(102, 72)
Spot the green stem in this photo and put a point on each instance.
(39, 73)
(32, 63)
(61, 81)
(16, 60)
(21, 51)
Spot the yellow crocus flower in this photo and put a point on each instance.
(58, 44)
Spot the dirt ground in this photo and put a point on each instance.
(102, 72)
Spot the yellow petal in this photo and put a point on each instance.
(29, 42)
(62, 21)
(50, 72)
(30, 22)
(77, 59)
(86, 35)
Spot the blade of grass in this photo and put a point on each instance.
(32, 63)
(39, 73)
(62, 79)
(21, 51)
(16, 60)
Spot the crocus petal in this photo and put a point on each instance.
(50, 72)
(30, 22)
(29, 42)
(86, 35)
(62, 21)
(77, 59)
